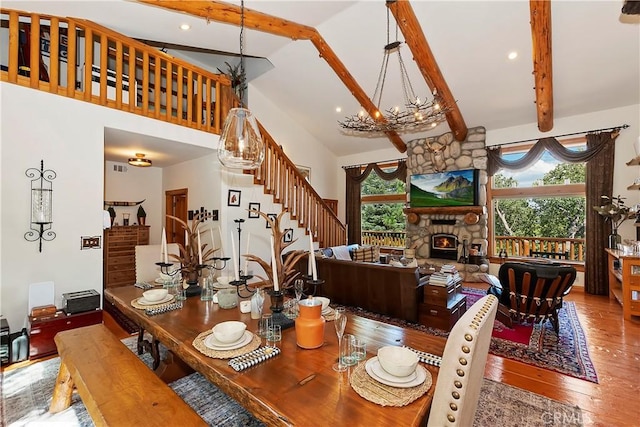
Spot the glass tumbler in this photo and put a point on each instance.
(346, 350)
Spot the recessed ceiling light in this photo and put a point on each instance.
(512, 55)
(338, 109)
(185, 27)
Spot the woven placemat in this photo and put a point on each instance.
(135, 304)
(198, 343)
(383, 394)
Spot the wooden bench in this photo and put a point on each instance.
(115, 385)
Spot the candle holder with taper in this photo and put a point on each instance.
(241, 282)
(280, 274)
(191, 258)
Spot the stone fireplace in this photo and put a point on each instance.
(431, 230)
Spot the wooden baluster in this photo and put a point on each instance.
(54, 54)
(208, 112)
(34, 51)
(189, 88)
(14, 45)
(103, 69)
(179, 90)
(119, 73)
(168, 94)
(145, 83)
(133, 80)
(88, 63)
(157, 86)
(71, 59)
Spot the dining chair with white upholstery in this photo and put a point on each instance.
(146, 258)
(462, 370)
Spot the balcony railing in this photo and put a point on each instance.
(551, 247)
(384, 238)
(80, 59)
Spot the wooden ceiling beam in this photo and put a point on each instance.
(422, 55)
(230, 14)
(542, 64)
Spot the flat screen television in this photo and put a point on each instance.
(444, 189)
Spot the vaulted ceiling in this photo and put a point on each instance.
(573, 57)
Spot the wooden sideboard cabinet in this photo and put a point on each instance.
(42, 331)
(624, 281)
(119, 254)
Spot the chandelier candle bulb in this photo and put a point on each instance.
(274, 267)
(235, 260)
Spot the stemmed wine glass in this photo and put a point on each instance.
(340, 321)
(298, 287)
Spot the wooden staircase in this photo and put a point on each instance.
(127, 75)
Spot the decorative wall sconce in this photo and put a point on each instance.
(41, 204)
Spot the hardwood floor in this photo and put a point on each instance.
(614, 347)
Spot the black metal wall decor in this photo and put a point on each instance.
(41, 205)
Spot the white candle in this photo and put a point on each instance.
(164, 257)
(221, 245)
(213, 243)
(199, 250)
(235, 259)
(312, 258)
(274, 267)
(246, 260)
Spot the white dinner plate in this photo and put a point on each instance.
(143, 301)
(376, 372)
(159, 281)
(328, 311)
(212, 343)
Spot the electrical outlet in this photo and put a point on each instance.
(90, 242)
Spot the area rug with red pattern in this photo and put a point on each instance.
(536, 345)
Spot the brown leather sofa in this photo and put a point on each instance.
(380, 288)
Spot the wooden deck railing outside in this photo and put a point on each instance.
(574, 249)
(130, 76)
(384, 238)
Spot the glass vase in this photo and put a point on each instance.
(614, 239)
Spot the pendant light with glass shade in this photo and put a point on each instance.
(241, 145)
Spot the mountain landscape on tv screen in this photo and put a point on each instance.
(454, 188)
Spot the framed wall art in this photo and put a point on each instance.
(288, 235)
(272, 217)
(234, 198)
(254, 206)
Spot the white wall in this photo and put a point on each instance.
(69, 136)
(134, 184)
(300, 146)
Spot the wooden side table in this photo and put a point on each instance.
(42, 331)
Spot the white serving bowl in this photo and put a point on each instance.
(224, 280)
(228, 332)
(155, 294)
(325, 302)
(397, 361)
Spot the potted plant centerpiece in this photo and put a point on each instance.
(142, 215)
(615, 211)
(192, 258)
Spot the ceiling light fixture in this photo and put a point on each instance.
(185, 27)
(241, 145)
(512, 55)
(139, 161)
(417, 114)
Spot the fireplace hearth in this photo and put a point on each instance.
(444, 246)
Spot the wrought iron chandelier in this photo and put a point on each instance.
(241, 146)
(417, 115)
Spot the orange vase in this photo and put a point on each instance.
(310, 324)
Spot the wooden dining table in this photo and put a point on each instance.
(298, 386)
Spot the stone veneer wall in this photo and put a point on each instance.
(468, 154)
